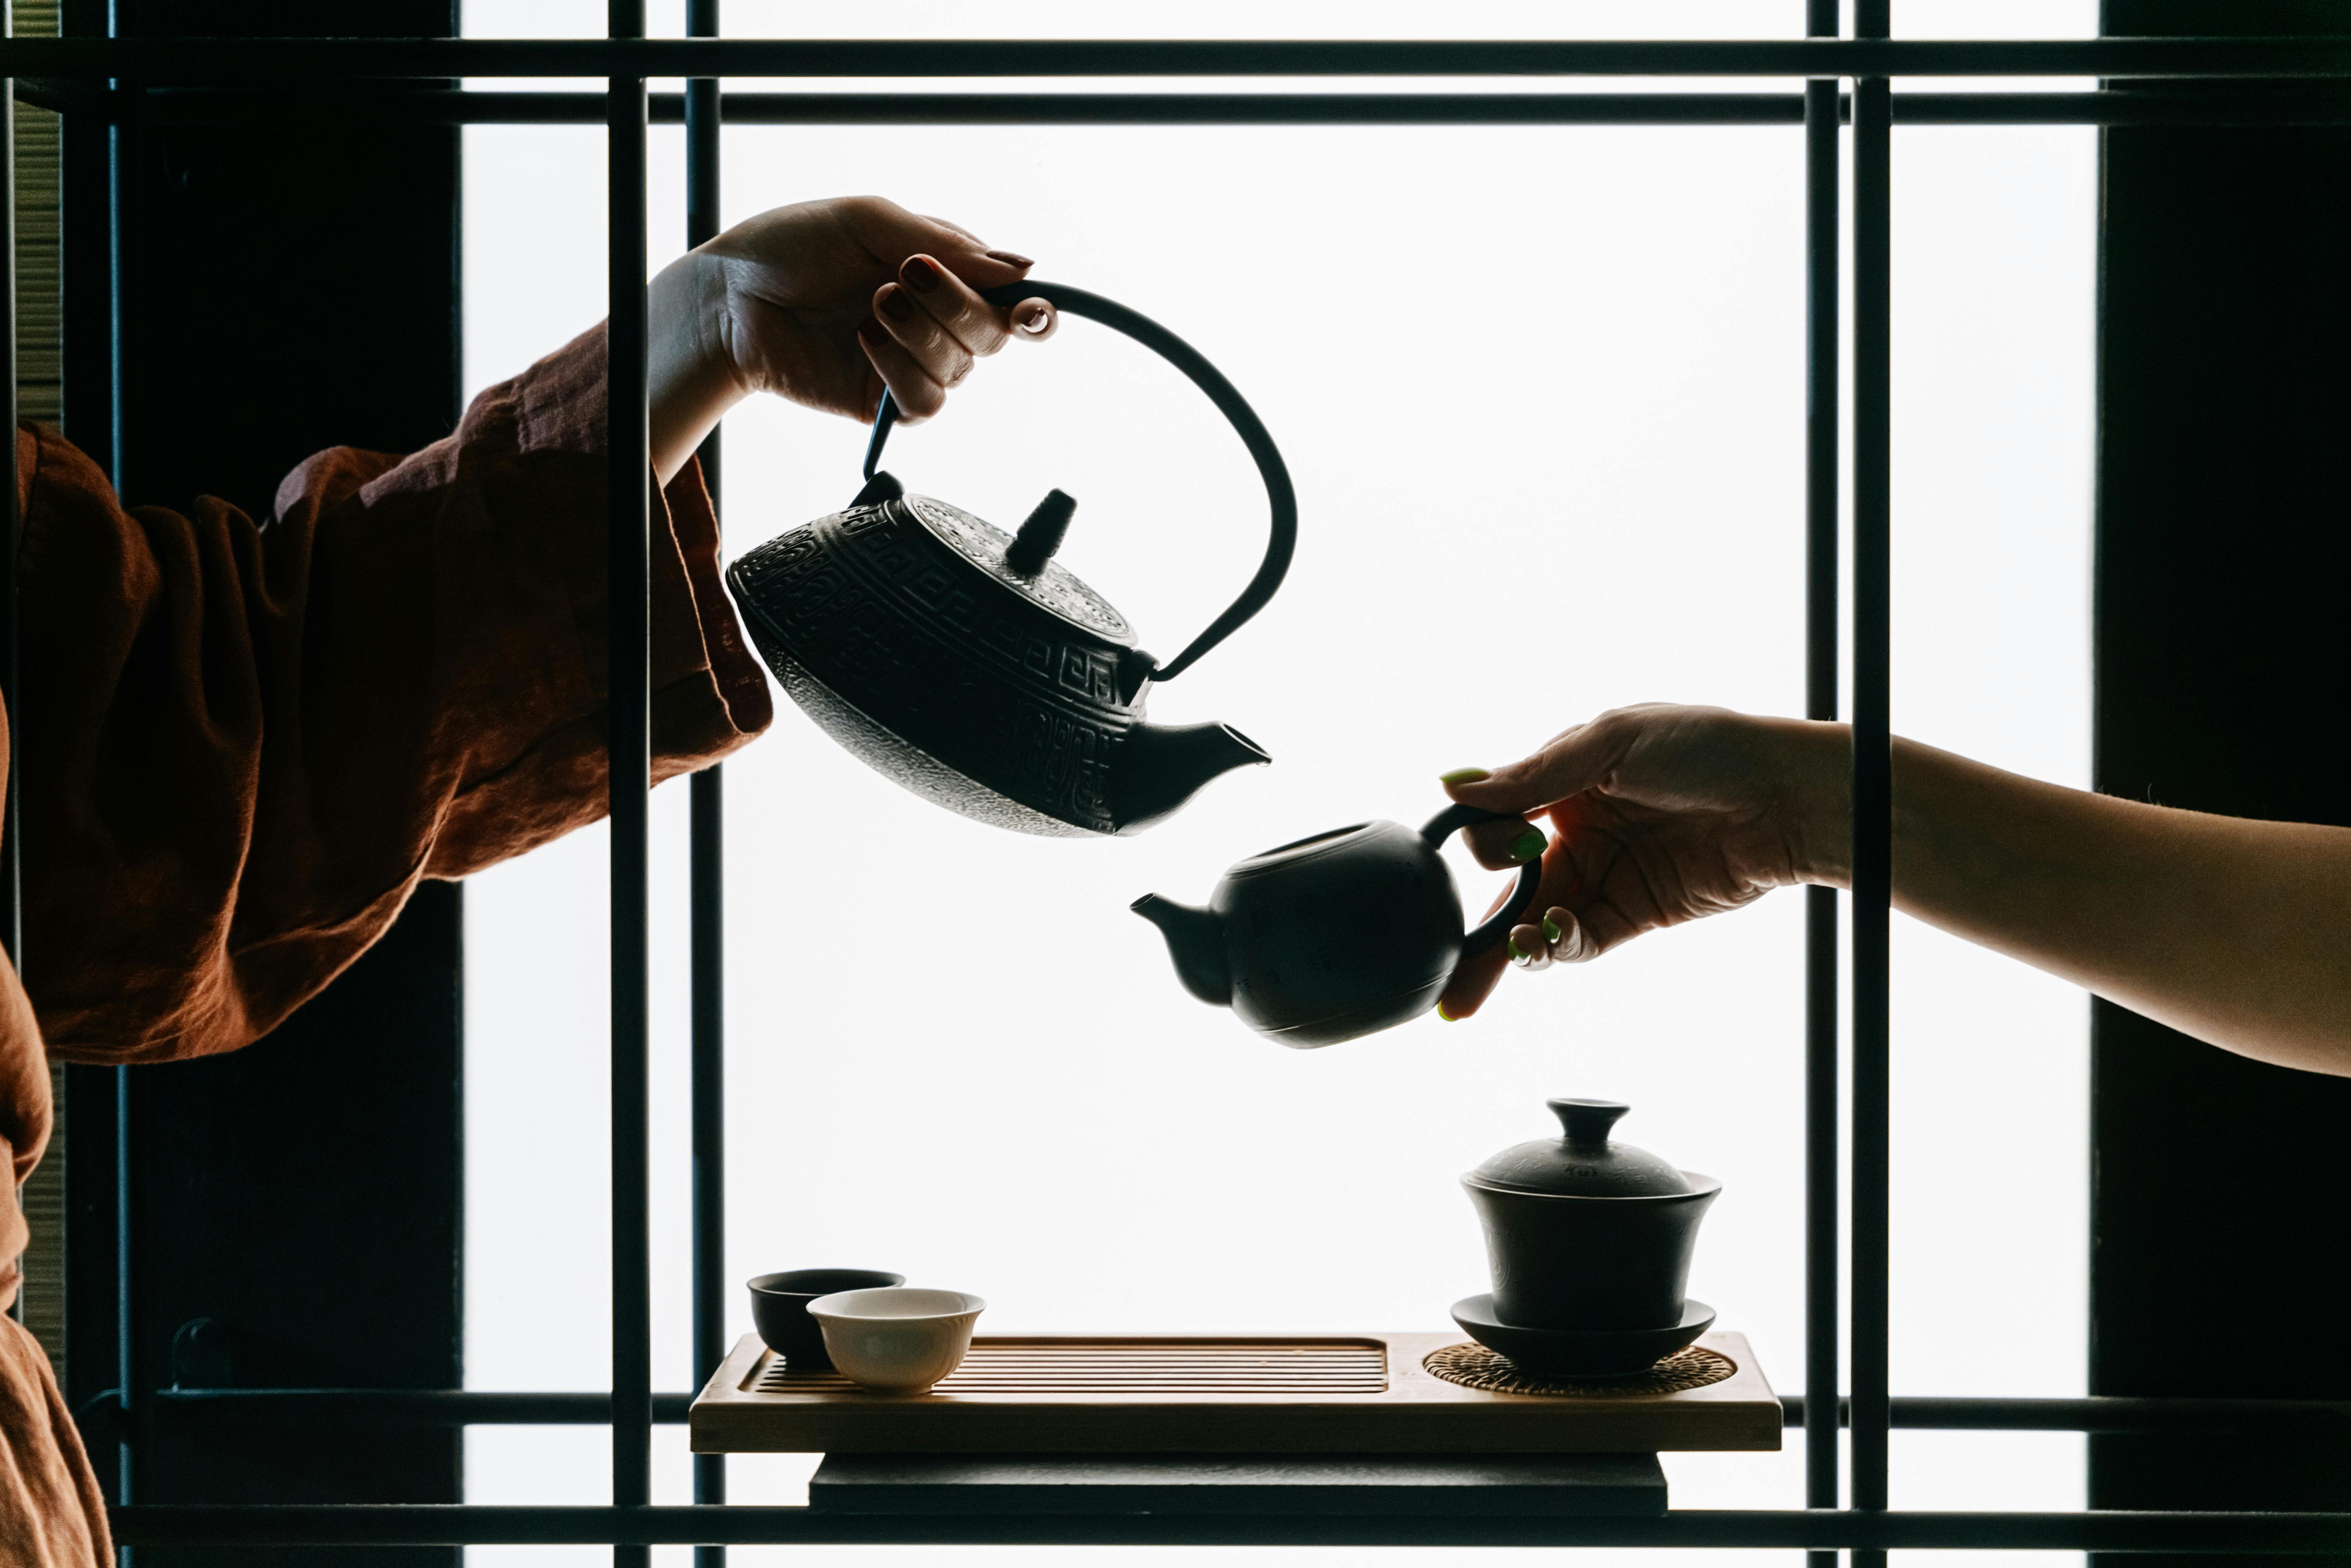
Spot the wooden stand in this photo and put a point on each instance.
(1417, 1486)
(1093, 1394)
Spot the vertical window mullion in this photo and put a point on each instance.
(1872, 791)
(706, 870)
(11, 906)
(630, 782)
(1823, 1382)
(123, 140)
(12, 881)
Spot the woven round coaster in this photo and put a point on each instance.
(1475, 1366)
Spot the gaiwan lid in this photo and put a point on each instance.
(1583, 1163)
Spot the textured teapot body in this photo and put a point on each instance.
(968, 667)
(1014, 699)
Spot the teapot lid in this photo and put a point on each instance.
(1045, 582)
(1583, 1163)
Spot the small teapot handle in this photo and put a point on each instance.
(1498, 924)
(1229, 403)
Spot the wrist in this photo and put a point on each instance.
(690, 377)
(1815, 767)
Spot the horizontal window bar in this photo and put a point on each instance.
(449, 107)
(403, 1406)
(263, 59)
(457, 1524)
(476, 1407)
(2106, 1414)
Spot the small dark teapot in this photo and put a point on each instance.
(968, 667)
(1335, 937)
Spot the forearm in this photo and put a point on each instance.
(404, 671)
(2234, 931)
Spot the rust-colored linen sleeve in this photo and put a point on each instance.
(244, 744)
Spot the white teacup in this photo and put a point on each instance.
(898, 1339)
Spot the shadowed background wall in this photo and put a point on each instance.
(286, 289)
(2223, 681)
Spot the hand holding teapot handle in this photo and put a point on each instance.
(826, 303)
(1281, 498)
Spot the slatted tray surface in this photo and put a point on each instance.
(1132, 1367)
(1214, 1394)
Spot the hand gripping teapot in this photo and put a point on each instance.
(973, 669)
(1335, 937)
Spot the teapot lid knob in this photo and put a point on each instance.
(1587, 1122)
(1041, 533)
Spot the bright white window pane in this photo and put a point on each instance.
(1541, 394)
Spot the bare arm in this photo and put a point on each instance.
(2236, 931)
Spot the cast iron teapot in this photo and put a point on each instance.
(973, 669)
(1335, 937)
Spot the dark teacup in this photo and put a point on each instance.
(780, 1309)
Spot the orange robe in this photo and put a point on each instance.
(245, 744)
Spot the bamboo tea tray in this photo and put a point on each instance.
(1215, 1394)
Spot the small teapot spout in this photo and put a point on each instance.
(1163, 766)
(1195, 940)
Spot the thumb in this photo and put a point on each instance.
(1471, 983)
(1570, 763)
(1474, 976)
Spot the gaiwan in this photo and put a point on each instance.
(1589, 1242)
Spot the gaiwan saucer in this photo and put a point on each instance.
(1580, 1353)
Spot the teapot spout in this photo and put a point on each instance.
(1163, 766)
(1195, 940)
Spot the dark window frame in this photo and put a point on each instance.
(189, 80)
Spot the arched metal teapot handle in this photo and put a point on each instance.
(1284, 500)
(1498, 924)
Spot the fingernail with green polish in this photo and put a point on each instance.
(1448, 1017)
(1515, 951)
(1462, 775)
(1527, 845)
(1550, 929)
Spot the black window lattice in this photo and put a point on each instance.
(2170, 81)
